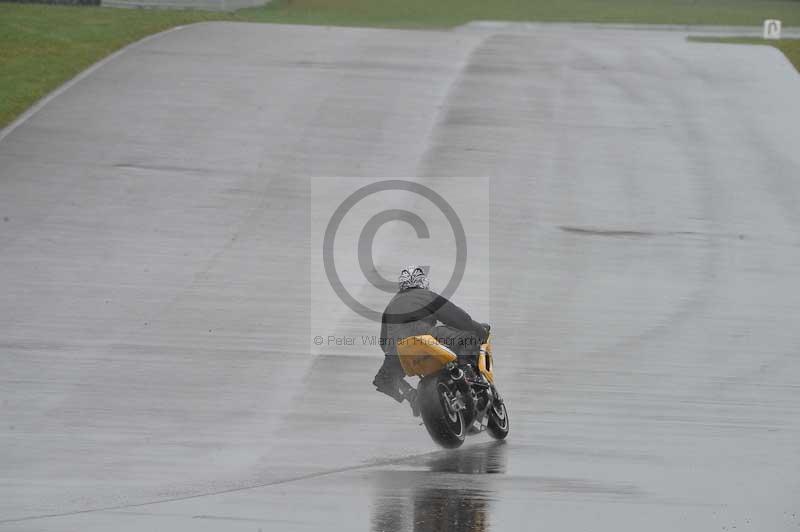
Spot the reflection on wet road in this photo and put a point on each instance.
(435, 500)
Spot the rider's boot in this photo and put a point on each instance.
(410, 394)
(395, 386)
(399, 390)
(387, 383)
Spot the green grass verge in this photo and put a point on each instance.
(789, 47)
(42, 46)
(432, 13)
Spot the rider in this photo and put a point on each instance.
(415, 310)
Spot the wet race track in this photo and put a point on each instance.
(630, 203)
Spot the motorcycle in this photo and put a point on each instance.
(453, 400)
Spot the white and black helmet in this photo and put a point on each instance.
(413, 277)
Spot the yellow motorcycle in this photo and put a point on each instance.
(454, 402)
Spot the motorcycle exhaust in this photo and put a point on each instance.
(467, 395)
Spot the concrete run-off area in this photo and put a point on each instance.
(157, 370)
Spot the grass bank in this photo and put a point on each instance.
(428, 13)
(42, 46)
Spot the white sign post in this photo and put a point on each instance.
(772, 29)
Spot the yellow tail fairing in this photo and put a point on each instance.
(423, 355)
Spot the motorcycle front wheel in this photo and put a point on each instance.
(444, 422)
(497, 425)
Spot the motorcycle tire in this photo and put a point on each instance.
(498, 425)
(445, 425)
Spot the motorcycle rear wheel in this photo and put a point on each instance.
(445, 424)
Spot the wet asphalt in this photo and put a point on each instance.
(630, 205)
